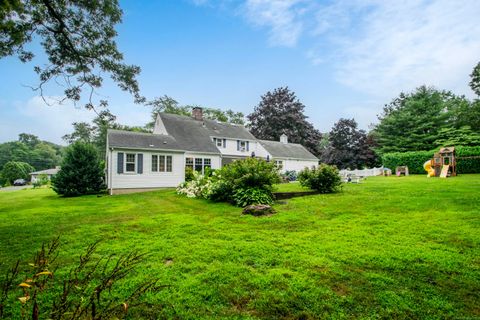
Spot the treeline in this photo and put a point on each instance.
(27, 154)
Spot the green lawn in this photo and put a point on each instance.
(391, 247)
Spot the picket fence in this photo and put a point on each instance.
(362, 173)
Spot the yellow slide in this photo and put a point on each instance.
(428, 167)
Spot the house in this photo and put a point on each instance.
(49, 173)
(145, 161)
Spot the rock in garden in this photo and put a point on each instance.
(258, 210)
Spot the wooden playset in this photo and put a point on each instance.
(443, 164)
(401, 170)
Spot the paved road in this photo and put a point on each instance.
(13, 188)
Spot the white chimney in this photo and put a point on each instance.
(284, 138)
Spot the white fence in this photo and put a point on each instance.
(363, 173)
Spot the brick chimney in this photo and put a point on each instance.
(197, 113)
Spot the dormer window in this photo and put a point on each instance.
(243, 146)
(220, 143)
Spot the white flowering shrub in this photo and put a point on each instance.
(199, 187)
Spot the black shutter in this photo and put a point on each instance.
(140, 163)
(224, 143)
(238, 145)
(120, 162)
(248, 145)
(215, 141)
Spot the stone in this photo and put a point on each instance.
(258, 210)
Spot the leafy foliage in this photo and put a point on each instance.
(41, 180)
(348, 147)
(169, 105)
(280, 112)
(417, 121)
(81, 171)
(242, 181)
(468, 160)
(39, 154)
(245, 197)
(324, 178)
(78, 38)
(475, 79)
(89, 290)
(14, 170)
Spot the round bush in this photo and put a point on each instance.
(324, 178)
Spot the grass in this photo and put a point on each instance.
(391, 247)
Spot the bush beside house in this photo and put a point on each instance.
(242, 182)
(14, 170)
(81, 171)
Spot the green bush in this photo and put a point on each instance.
(324, 178)
(243, 181)
(245, 197)
(42, 180)
(467, 161)
(81, 171)
(13, 170)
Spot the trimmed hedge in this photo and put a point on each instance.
(415, 160)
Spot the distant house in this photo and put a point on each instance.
(48, 172)
(145, 161)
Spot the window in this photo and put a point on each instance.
(219, 143)
(162, 163)
(207, 163)
(169, 163)
(154, 163)
(199, 164)
(243, 145)
(130, 162)
(189, 163)
(279, 164)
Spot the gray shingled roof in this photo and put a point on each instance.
(287, 150)
(47, 171)
(139, 140)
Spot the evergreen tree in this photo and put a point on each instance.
(81, 172)
(280, 112)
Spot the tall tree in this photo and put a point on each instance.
(78, 39)
(475, 80)
(82, 131)
(414, 121)
(280, 112)
(348, 146)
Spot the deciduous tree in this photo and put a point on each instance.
(280, 112)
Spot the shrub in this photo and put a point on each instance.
(245, 197)
(81, 171)
(468, 160)
(324, 178)
(13, 170)
(189, 174)
(234, 181)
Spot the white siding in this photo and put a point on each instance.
(231, 148)
(147, 179)
(296, 165)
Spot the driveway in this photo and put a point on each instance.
(14, 188)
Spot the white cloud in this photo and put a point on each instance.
(282, 17)
(379, 47)
(48, 121)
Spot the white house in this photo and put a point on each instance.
(146, 161)
(49, 173)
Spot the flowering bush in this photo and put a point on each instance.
(243, 182)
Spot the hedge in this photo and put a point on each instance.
(415, 160)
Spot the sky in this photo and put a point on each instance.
(345, 58)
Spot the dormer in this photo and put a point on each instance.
(284, 138)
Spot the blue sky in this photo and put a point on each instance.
(342, 58)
